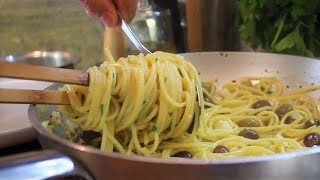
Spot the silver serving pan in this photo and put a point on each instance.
(56, 59)
(63, 156)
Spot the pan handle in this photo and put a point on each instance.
(41, 165)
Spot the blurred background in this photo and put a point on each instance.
(36, 28)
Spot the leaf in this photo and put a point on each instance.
(248, 32)
(282, 3)
(261, 3)
(285, 43)
(297, 11)
(299, 42)
(293, 41)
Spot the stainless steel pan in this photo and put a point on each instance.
(63, 157)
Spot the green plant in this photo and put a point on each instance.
(281, 26)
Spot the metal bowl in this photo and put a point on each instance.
(57, 59)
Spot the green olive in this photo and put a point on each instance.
(284, 109)
(220, 149)
(249, 123)
(249, 133)
(260, 104)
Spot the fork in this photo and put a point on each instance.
(127, 30)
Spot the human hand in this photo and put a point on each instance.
(106, 11)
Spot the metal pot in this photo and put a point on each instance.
(63, 157)
(56, 59)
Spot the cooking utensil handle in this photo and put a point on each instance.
(43, 73)
(21, 96)
(41, 165)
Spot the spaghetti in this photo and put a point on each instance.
(148, 105)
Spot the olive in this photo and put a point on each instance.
(260, 104)
(183, 154)
(249, 123)
(88, 136)
(284, 109)
(289, 120)
(83, 98)
(249, 133)
(311, 122)
(311, 139)
(220, 149)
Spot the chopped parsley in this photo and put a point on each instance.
(165, 79)
(154, 128)
(180, 72)
(288, 86)
(262, 88)
(113, 75)
(157, 59)
(170, 113)
(101, 108)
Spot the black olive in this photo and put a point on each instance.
(83, 98)
(311, 122)
(88, 136)
(220, 149)
(249, 133)
(190, 129)
(249, 123)
(183, 154)
(282, 110)
(260, 104)
(311, 139)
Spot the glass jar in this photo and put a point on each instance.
(153, 28)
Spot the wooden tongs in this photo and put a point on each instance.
(39, 73)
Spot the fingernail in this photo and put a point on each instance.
(125, 17)
(108, 19)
